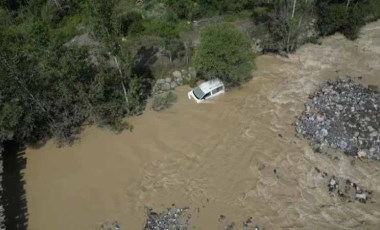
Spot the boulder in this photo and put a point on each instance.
(160, 81)
(177, 74)
(362, 154)
(166, 86)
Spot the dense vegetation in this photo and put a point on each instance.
(51, 85)
(224, 52)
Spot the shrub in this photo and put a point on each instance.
(165, 101)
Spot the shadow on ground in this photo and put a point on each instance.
(14, 197)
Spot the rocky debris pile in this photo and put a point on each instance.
(248, 224)
(165, 84)
(344, 115)
(351, 191)
(169, 83)
(110, 226)
(171, 219)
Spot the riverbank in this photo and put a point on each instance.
(218, 158)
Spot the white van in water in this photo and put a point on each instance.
(206, 90)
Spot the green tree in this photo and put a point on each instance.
(343, 16)
(288, 19)
(108, 25)
(225, 53)
(65, 78)
(104, 22)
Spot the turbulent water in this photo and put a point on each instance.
(218, 158)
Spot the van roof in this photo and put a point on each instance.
(211, 84)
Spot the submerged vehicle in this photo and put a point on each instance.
(206, 90)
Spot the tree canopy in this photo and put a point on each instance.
(224, 52)
(51, 89)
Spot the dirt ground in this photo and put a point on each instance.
(217, 158)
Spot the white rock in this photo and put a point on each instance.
(361, 196)
(332, 182)
(177, 74)
(362, 154)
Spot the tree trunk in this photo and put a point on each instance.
(348, 3)
(294, 7)
(287, 43)
(122, 83)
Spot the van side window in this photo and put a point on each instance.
(207, 95)
(220, 88)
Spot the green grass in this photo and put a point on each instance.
(233, 17)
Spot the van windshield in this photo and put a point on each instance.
(198, 93)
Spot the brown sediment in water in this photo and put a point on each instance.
(218, 157)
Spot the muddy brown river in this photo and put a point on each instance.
(218, 157)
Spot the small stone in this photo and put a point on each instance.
(332, 182)
(340, 107)
(168, 79)
(372, 150)
(374, 134)
(324, 132)
(342, 144)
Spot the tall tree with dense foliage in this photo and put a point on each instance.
(343, 16)
(224, 52)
